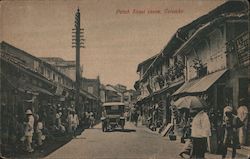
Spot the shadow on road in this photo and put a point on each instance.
(50, 145)
(125, 130)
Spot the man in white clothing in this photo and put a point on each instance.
(73, 121)
(29, 130)
(242, 113)
(201, 130)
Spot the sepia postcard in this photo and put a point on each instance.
(124, 79)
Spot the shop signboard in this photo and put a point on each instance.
(242, 48)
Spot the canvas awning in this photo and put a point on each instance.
(88, 95)
(34, 89)
(200, 85)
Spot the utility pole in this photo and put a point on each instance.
(77, 42)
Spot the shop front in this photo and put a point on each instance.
(212, 89)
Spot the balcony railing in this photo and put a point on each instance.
(173, 74)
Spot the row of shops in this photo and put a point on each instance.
(208, 58)
(24, 87)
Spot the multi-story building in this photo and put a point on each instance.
(129, 98)
(111, 94)
(118, 93)
(29, 82)
(37, 65)
(91, 85)
(66, 67)
(159, 77)
(210, 56)
(121, 88)
(217, 59)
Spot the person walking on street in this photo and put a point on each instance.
(201, 130)
(29, 130)
(92, 119)
(242, 113)
(39, 128)
(73, 122)
(231, 124)
(136, 115)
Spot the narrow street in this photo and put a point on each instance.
(135, 142)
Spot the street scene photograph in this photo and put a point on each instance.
(124, 79)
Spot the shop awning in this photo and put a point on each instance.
(34, 89)
(200, 85)
(88, 95)
(25, 87)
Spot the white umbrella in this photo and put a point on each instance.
(190, 102)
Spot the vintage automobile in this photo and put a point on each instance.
(113, 116)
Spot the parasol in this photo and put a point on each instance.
(190, 102)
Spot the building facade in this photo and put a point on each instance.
(216, 60)
(28, 82)
(92, 86)
(209, 58)
(66, 67)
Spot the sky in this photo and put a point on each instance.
(119, 34)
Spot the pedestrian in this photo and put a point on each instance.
(231, 124)
(186, 130)
(136, 115)
(87, 123)
(39, 128)
(200, 131)
(126, 116)
(58, 126)
(242, 113)
(220, 134)
(29, 130)
(92, 119)
(73, 122)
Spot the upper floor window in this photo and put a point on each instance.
(216, 42)
(202, 51)
(48, 73)
(42, 70)
(90, 89)
(36, 65)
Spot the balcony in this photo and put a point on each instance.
(240, 46)
(174, 74)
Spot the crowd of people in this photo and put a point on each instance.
(36, 128)
(231, 131)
